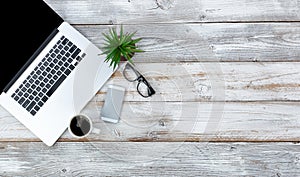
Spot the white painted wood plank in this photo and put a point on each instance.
(174, 11)
(150, 159)
(210, 42)
(236, 81)
(187, 121)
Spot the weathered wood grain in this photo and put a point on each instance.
(150, 159)
(210, 42)
(177, 122)
(174, 11)
(214, 81)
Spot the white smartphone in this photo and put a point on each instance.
(113, 103)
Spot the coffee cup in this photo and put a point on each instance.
(80, 126)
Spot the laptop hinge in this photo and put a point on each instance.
(31, 59)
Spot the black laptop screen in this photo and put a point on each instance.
(25, 25)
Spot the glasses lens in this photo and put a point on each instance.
(129, 74)
(143, 89)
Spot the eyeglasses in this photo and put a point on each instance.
(143, 86)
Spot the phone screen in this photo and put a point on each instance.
(111, 109)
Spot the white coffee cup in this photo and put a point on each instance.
(80, 126)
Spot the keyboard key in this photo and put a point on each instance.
(71, 67)
(44, 90)
(20, 94)
(62, 69)
(64, 59)
(42, 68)
(74, 55)
(37, 99)
(16, 98)
(68, 55)
(21, 101)
(23, 89)
(48, 86)
(25, 104)
(40, 94)
(31, 81)
(53, 55)
(55, 77)
(70, 60)
(34, 93)
(65, 41)
(73, 48)
(70, 43)
(78, 58)
(37, 108)
(51, 81)
(49, 76)
(33, 86)
(29, 90)
(44, 99)
(26, 95)
(46, 64)
(67, 72)
(33, 112)
(30, 106)
(40, 103)
(31, 97)
(56, 85)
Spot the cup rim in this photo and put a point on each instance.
(85, 116)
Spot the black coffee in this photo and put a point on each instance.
(80, 126)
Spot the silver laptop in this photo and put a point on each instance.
(51, 70)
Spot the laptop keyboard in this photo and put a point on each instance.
(43, 81)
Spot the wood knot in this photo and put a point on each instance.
(165, 4)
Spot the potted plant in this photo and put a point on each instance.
(119, 47)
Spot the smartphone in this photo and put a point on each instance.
(113, 103)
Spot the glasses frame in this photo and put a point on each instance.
(141, 79)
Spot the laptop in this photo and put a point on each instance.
(49, 70)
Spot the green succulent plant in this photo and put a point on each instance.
(119, 45)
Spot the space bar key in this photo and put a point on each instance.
(56, 85)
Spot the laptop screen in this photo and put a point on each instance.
(25, 25)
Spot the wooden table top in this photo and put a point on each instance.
(227, 102)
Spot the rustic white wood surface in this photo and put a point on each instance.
(174, 11)
(227, 76)
(188, 121)
(210, 42)
(150, 159)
